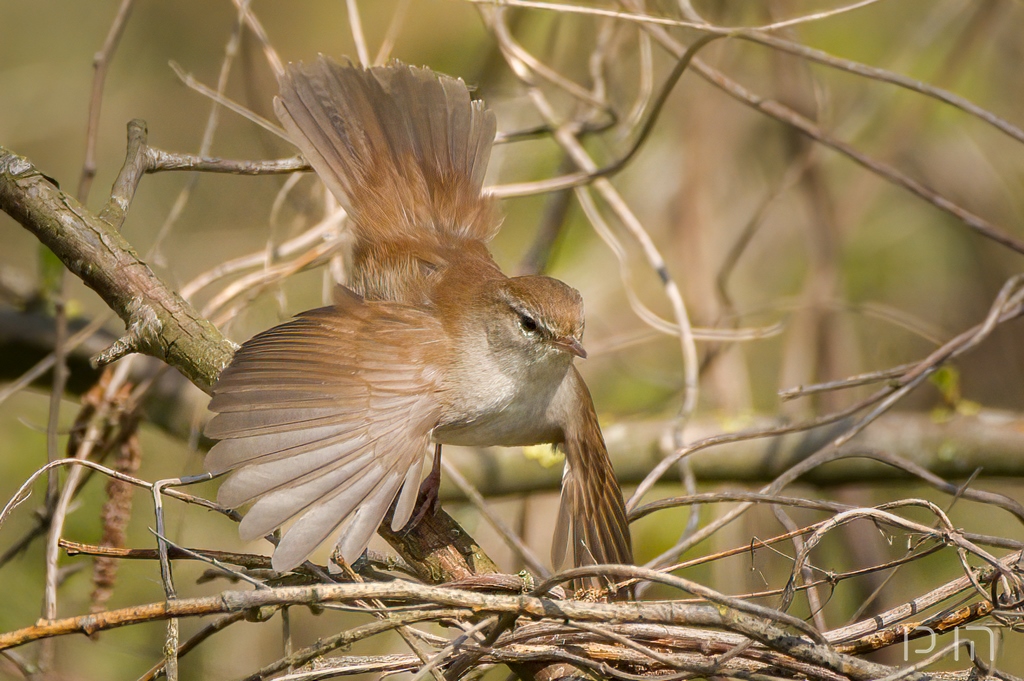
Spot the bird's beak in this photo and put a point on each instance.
(571, 345)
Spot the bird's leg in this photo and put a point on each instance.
(430, 492)
(430, 488)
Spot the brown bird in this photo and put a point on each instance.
(325, 419)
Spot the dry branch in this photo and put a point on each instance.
(159, 322)
(668, 613)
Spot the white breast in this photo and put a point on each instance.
(503, 401)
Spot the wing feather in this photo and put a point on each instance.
(325, 420)
(367, 517)
(255, 480)
(238, 450)
(407, 499)
(591, 516)
(322, 521)
(288, 501)
(361, 509)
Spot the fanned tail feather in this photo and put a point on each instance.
(403, 149)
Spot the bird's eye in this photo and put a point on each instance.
(528, 323)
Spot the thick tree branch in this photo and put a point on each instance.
(952, 448)
(159, 322)
(989, 443)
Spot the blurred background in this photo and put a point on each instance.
(824, 268)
